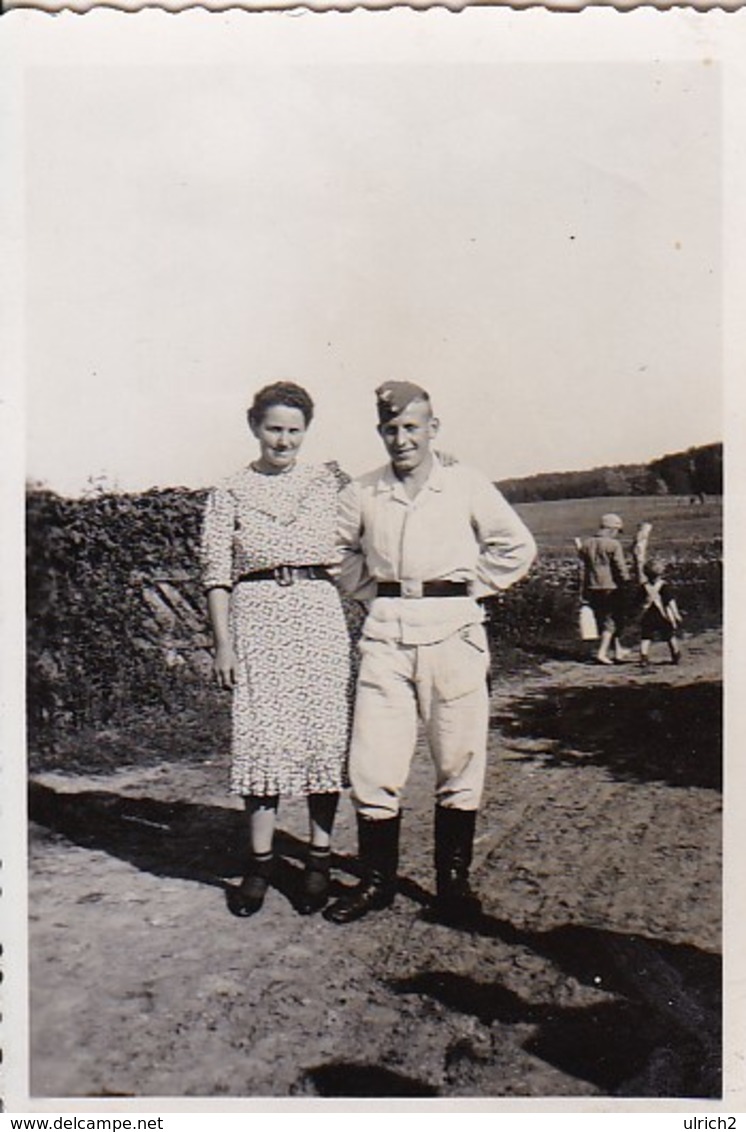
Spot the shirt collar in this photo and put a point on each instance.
(389, 483)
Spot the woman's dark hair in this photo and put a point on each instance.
(280, 393)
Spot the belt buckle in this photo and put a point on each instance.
(284, 575)
(411, 588)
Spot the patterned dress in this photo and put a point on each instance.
(291, 703)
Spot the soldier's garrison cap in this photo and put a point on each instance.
(394, 396)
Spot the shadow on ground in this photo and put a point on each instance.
(657, 1033)
(647, 733)
(347, 1079)
(176, 839)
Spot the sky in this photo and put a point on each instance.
(538, 244)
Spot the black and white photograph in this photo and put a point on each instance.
(374, 389)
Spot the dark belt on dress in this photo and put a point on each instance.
(440, 588)
(287, 575)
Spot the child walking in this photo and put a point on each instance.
(660, 613)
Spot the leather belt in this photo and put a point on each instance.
(441, 588)
(287, 575)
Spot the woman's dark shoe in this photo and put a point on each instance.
(247, 898)
(315, 891)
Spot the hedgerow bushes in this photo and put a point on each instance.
(117, 631)
(99, 646)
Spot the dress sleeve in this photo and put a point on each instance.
(339, 475)
(507, 547)
(216, 548)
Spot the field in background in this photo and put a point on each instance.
(679, 527)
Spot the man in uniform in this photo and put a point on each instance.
(422, 540)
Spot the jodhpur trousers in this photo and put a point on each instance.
(446, 684)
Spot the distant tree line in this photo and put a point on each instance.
(697, 472)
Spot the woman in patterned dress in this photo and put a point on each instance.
(281, 640)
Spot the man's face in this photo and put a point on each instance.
(408, 436)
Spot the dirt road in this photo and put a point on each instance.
(594, 971)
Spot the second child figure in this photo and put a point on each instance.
(660, 613)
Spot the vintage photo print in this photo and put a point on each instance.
(488, 266)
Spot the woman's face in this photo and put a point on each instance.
(280, 433)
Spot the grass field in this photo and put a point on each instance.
(680, 529)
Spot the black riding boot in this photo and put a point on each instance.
(454, 840)
(378, 843)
